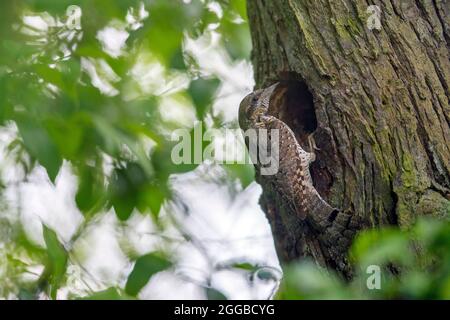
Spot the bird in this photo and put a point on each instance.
(293, 179)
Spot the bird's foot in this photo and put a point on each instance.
(312, 147)
(312, 143)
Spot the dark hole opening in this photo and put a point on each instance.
(296, 108)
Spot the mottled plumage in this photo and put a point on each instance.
(293, 179)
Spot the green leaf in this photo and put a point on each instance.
(152, 196)
(213, 294)
(57, 260)
(25, 294)
(240, 7)
(49, 75)
(144, 268)
(266, 275)
(177, 60)
(444, 292)
(202, 92)
(381, 247)
(5, 107)
(126, 188)
(67, 135)
(91, 193)
(306, 281)
(247, 266)
(55, 7)
(40, 146)
(162, 32)
(123, 197)
(415, 285)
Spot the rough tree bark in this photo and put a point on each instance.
(379, 104)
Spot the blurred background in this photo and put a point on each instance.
(91, 92)
(92, 205)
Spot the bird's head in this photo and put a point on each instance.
(249, 110)
(255, 105)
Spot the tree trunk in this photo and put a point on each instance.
(378, 102)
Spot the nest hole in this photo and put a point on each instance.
(293, 103)
(295, 107)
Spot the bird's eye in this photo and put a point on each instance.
(251, 106)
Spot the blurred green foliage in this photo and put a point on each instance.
(72, 99)
(57, 261)
(413, 264)
(144, 268)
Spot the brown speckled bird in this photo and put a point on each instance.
(293, 180)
